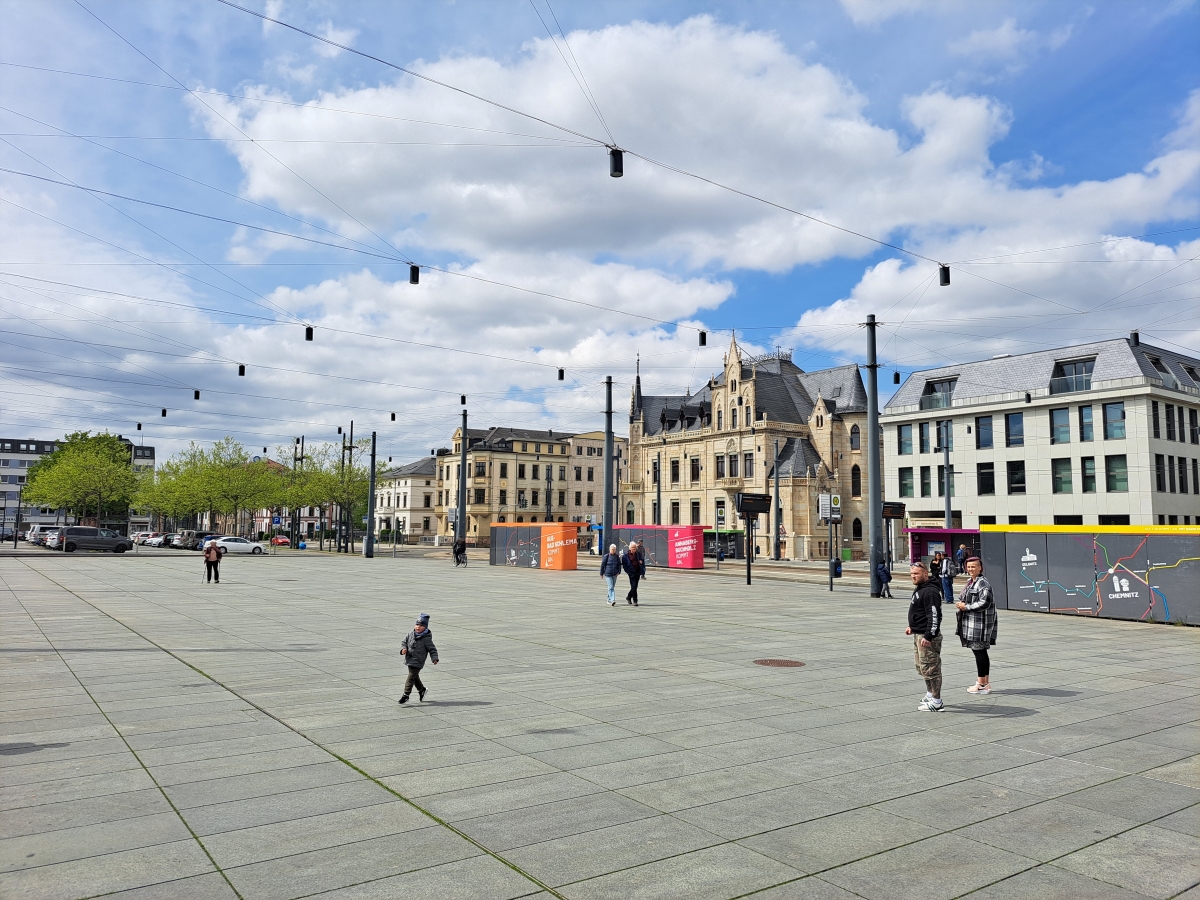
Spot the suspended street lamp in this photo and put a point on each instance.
(895, 378)
(308, 332)
(703, 338)
(195, 395)
(393, 417)
(164, 413)
(616, 162)
(139, 426)
(561, 375)
(944, 274)
(241, 371)
(414, 274)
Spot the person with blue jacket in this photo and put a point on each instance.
(610, 568)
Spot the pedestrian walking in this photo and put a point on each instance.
(212, 562)
(885, 580)
(925, 626)
(634, 564)
(610, 568)
(942, 574)
(960, 559)
(977, 623)
(417, 647)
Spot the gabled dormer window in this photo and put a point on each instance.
(1163, 372)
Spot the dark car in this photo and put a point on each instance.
(84, 537)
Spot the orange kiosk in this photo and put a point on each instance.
(553, 545)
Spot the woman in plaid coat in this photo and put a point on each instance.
(977, 622)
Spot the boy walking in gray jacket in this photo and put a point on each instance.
(417, 647)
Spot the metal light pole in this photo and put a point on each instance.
(607, 532)
(348, 513)
(460, 527)
(944, 440)
(369, 540)
(549, 488)
(874, 482)
(776, 518)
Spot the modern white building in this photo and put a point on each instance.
(1106, 433)
(16, 457)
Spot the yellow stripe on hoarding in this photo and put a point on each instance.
(1092, 529)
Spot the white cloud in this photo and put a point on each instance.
(1007, 45)
(872, 12)
(343, 36)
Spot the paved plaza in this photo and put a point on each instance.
(163, 738)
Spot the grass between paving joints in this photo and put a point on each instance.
(716, 621)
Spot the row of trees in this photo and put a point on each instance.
(93, 474)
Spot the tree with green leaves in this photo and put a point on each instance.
(85, 472)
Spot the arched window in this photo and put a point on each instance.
(520, 518)
(720, 419)
(629, 513)
(533, 518)
(857, 533)
(501, 519)
(854, 438)
(855, 482)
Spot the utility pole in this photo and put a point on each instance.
(874, 482)
(944, 440)
(348, 513)
(369, 540)
(338, 536)
(549, 483)
(460, 527)
(776, 517)
(607, 532)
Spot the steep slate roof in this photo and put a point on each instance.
(796, 458)
(782, 390)
(495, 435)
(1032, 372)
(422, 468)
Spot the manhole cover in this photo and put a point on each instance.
(779, 663)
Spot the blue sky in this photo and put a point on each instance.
(957, 130)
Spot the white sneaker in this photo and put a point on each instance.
(978, 688)
(931, 705)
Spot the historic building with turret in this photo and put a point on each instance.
(759, 416)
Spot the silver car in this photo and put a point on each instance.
(53, 538)
(235, 545)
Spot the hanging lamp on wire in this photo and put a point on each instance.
(561, 375)
(339, 429)
(393, 417)
(164, 412)
(895, 378)
(414, 274)
(944, 275)
(195, 395)
(308, 332)
(616, 162)
(462, 399)
(703, 338)
(139, 426)
(241, 371)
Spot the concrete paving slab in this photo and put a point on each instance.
(1136, 798)
(837, 839)
(548, 821)
(1149, 860)
(1047, 830)
(1051, 883)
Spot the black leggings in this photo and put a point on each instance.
(983, 665)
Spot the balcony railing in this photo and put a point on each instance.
(936, 401)
(1068, 384)
(730, 484)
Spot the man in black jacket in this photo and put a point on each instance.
(925, 625)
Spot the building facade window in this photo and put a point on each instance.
(1114, 422)
(733, 465)
(630, 513)
(1194, 426)
(579, 498)
(1014, 430)
(733, 418)
(695, 469)
(1085, 424)
(674, 471)
(1116, 474)
(1160, 473)
(1183, 487)
(983, 432)
(855, 481)
(503, 470)
(904, 440)
(1155, 427)
(533, 498)
(1087, 474)
(562, 498)
(747, 465)
(674, 512)
(906, 482)
(926, 482)
(590, 499)
(923, 432)
(1060, 426)
(1169, 410)
(480, 468)
(537, 473)
(428, 501)
(591, 475)
(856, 530)
(503, 497)
(944, 433)
(720, 419)
(520, 470)
(720, 465)
(1196, 476)
(695, 512)
(480, 495)
(1060, 476)
(985, 478)
(855, 438)
(1016, 476)
(1171, 473)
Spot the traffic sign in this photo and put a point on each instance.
(835, 507)
(276, 520)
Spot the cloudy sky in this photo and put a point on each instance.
(245, 180)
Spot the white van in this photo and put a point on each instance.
(35, 533)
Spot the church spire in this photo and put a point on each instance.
(635, 405)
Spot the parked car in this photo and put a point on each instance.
(53, 539)
(142, 536)
(163, 540)
(84, 537)
(237, 545)
(281, 540)
(34, 534)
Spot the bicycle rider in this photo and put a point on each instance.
(460, 552)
